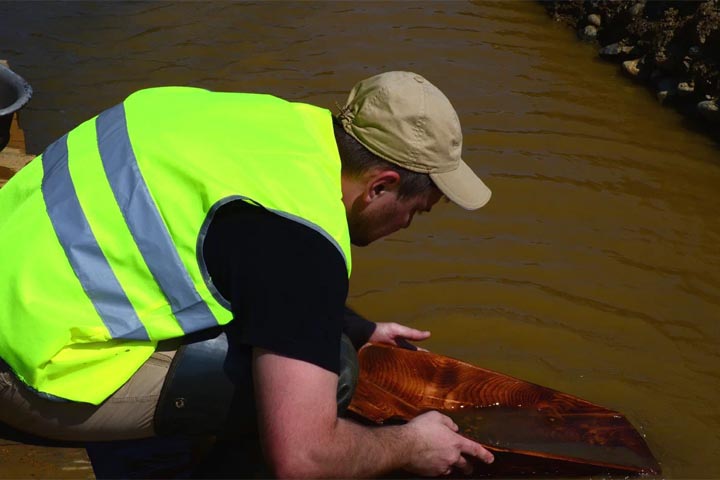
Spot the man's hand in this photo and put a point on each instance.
(439, 448)
(398, 335)
(301, 435)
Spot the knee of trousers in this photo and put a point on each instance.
(200, 395)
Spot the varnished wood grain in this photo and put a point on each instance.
(532, 430)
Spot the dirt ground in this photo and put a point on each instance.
(18, 461)
(673, 47)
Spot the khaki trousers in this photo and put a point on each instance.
(127, 414)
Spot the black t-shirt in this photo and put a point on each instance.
(286, 284)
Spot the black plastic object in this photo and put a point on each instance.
(15, 92)
(200, 388)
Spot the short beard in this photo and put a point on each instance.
(357, 225)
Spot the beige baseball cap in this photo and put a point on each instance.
(406, 120)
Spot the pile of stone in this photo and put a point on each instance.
(672, 46)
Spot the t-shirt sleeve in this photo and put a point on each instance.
(357, 328)
(285, 281)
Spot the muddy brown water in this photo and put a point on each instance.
(529, 430)
(593, 270)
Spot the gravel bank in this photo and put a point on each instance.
(672, 47)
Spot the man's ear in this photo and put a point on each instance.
(379, 182)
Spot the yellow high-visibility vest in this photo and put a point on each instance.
(101, 236)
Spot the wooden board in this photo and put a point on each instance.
(532, 430)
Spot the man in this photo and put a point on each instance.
(183, 211)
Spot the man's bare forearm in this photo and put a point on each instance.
(302, 436)
(351, 451)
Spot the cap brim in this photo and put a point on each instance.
(463, 187)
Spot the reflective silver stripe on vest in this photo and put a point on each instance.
(81, 248)
(315, 227)
(145, 223)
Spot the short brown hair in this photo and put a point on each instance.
(356, 160)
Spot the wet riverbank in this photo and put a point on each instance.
(672, 47)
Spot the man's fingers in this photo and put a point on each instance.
(477, 450)
(402, 334)
(397, 334)
(411, 333)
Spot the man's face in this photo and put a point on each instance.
(388, 214)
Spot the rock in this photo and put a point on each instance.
(666, 87)
(656, 75)
(661, 57)
(632, 67)
(673, 46)
(637, 9)
(685, 88)
(589, 33)
(686, 64)
(616, 50)
(710, 110)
